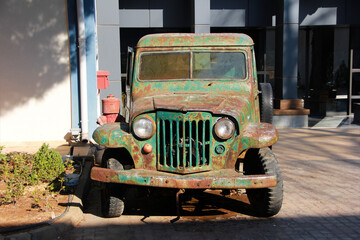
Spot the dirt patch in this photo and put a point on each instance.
(30, 208)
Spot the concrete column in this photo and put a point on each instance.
(286, 59)
(90, 29)
(108, 32)
(289, 111)
(201, 22)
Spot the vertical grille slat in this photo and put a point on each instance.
(163, 141)
(190, 146)
(171, 143)
(183, 142)
(203, 141)
(177, 144)
(183, 160)
(197, 143)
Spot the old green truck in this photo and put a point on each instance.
(196, 118)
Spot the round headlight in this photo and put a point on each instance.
(224, 128)
(143, 128)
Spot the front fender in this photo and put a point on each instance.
(259, 135)
(254, 135)
(113, 135)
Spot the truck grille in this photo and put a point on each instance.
(183, 142)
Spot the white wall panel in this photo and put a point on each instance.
(35, 102)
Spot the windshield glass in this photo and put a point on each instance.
(205, 65)
(219, 65)
(160, 66)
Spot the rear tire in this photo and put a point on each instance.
(112, 199)
(266, 202)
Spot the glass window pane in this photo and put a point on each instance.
(219, 65)
(159, 66)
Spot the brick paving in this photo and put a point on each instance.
(321, 169)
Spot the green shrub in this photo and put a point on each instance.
(15, 170)
(19, 170)
(48, 164)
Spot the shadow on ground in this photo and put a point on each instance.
(160, 202)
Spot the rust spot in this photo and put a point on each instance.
(149, 161)
(136, 158)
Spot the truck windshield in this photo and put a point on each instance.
(205, 65)
(219, 65)
(159, 66)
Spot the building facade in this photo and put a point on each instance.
(303, 48)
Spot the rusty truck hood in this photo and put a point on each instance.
(216, 104)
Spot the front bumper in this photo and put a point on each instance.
(219, 179)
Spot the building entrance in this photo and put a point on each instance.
(324, 70)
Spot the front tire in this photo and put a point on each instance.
(112, 199)
(112, 204)
(266, 202)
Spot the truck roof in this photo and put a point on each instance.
(194, 39)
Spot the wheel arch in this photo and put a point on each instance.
(120, 154)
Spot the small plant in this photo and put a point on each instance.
(21, 170)
(69, 166)
(48, 164)
(16, 172)
(36, 196)
(4, 166)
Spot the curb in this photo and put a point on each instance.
(71, 218)
(53, 230)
